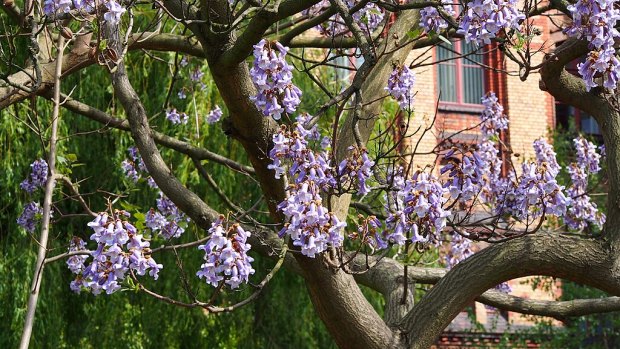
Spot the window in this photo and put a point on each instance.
(569, 117)
(461, 79)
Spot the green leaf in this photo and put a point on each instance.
(415, 33)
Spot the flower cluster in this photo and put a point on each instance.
(545, 154)
(37, 178)
(75, 263)
(601, 63)
(420, 214)
(134, 167)
(173, 116)
(464, 175)
(532, 193)
(273, 78)
(30, 216)
(537, 192)
(214, 115)
(587, 157)
(477, 174)
(310, 225)
(473, 174)
(400, 86)
(582, 209)
(226, 257)
(112, 15)
(460, 249)
(484, 20)
(196, 75)
(120, 249)
(595, 20)
(431, 19)
(291, 146)
(493, 118)
(356, 165)
(491, 169)
(369, 18)
(168, 220)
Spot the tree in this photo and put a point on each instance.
(308, 193)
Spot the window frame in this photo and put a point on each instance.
(460, 64)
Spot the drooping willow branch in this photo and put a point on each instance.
(160, 138)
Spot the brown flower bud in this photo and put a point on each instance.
(66, 33)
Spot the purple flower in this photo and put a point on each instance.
(358, 166)
(417, 210)
(120, 248)
(214, 115)
(168, 220)
(196, 75)
(460, 249)
(600, 65)
(273, 77)
(400, 86)
(76, 263)
(492, 117)
(52, 7)
(587, 157)
(37, 178)
(545, 154)
(30, 216)
(369, 232)
(311, 226)
(176, 118)
(369, 18)
(596, 21)
(483, 20)
(432, 21)
(226, 257)
(582, 210)
(134, 167)
(115, 11)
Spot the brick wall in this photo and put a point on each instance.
(531, 113)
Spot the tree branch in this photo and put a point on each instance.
(585, 261)
(184, 198)
(75, 61)
(257, 27)
(160, 138)
(47, 204)
(386, 274)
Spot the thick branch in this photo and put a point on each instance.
(581, 260)
(557, 309)
(184, 198)
(78, 60)
(386, 274)
(258, 26)
(338, 300)
(596, 102)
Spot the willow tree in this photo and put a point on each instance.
(314, 170)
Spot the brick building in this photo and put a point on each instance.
(450, 81)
